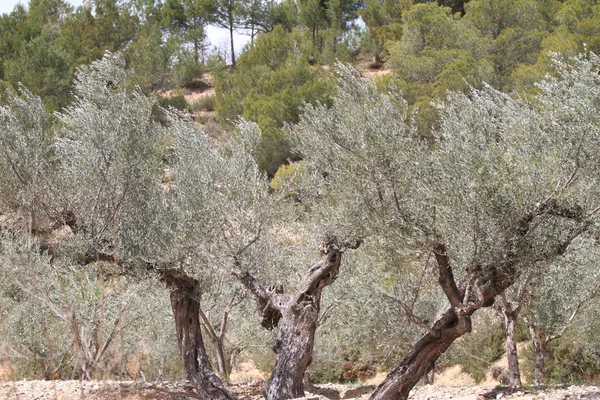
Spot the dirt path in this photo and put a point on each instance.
(111, 390)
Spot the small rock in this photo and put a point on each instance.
(499, 395)
(308, 398)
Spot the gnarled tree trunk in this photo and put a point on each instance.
(539, 340)
(415, 364)
(483, 283)
(510, 320)
(185, 303)
(294, 347)
(451, 324)
(514, 373)
(296, 315)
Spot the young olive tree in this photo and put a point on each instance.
(503, 186)
(32, 339)
(556, 298)
(70, 318)
(511, 308)
(570, 104)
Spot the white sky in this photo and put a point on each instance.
(217, 36)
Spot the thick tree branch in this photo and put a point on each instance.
(446, 277)
(469, 306)
(319, 275)
(207, 325)
(269, 301)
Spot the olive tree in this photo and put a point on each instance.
(224, 199)
(71, 320)
(548, 298)
(503, 185)
(556, 298)
(115, 154)
(85, 180)
(216, 210)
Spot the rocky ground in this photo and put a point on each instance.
(109, 390)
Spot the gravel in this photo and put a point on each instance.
(182, 390)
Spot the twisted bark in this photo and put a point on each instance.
(296, 316)
(185, 303)
(452, 323)
(481, 286)
(510, 320)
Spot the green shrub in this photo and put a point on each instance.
(204, 103)
(178, 101)
(476, 351)
(270, 84)
(187, 70)
(570, 359)
(274, 150)
(286, 174)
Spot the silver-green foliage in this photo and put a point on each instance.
(66, 321)
(569, 104)
(567, 289)
(27, 160)
(100, 163)
(109, 150)
(496, 163)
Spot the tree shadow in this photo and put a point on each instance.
(335, 394)
(505, 390)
